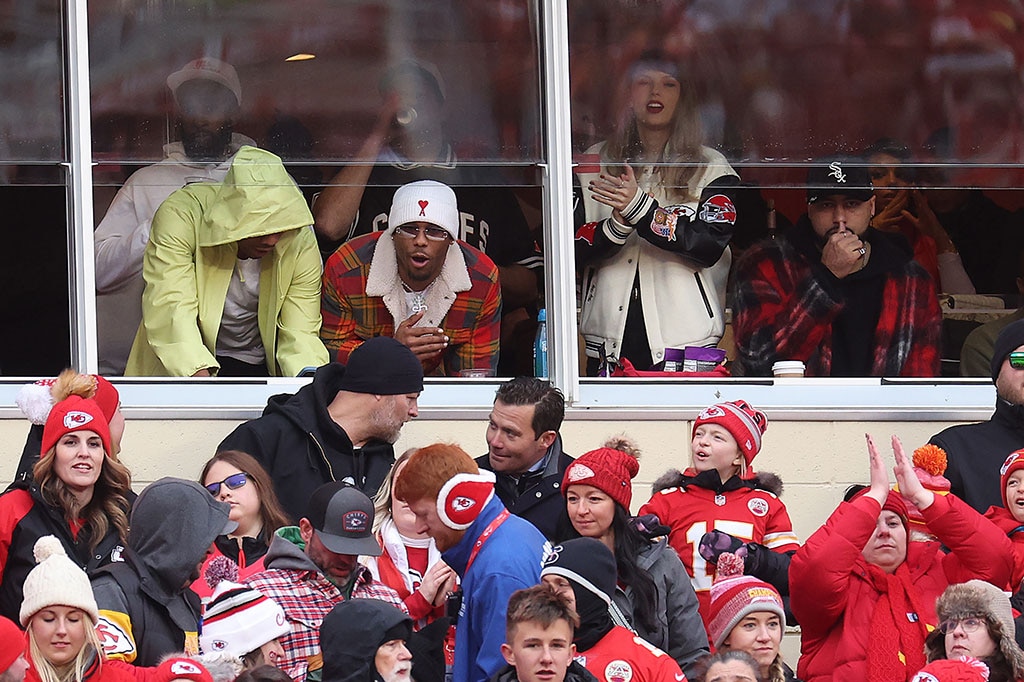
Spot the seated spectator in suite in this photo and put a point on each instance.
(207, 96)
(524, 450)
(834, 293)
(417, 283)
(493, 552)
(975, 619)
(342, 426)
(974, 452)
(654, 222)
(315, 566)
(976, 353)
(901, 208)
(409, 143)
(857, 580)
(232, 279)
(146, 608)
(583, 571)
(539, 630)
(364, 640)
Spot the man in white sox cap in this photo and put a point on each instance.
(418, 283)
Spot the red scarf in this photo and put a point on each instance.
(895, 642)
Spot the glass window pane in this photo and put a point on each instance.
(316, 82)
(934, 91)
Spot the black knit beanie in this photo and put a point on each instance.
(1008, 340)
(590, 567)
(382, 366)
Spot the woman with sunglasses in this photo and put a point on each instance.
(975, 619)
(79, 493)
(237, 478)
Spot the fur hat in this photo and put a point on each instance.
(426, 201)
(608, 469)
(239, 619)
(55, 581)
(979, 599)
(74, 414)
(1012, 463)
(734, 596)
(739, 418)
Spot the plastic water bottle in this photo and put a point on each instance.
(540, 345)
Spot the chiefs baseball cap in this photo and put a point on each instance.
(848, 177)
(343, 518)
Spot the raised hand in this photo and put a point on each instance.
(907, 478)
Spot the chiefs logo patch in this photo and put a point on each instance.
(578, 472)
(586, 233)
(618, 671)
(114, 637)
(75, 419)
(461, 503)
(758, 506)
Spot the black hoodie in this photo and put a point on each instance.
(351, 634)
(302, 448)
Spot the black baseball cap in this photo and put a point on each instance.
(342, 516)
(848, 177)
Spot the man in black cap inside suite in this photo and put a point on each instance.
(833, 292)
(341, 427)
(975, 452)
(313, 567)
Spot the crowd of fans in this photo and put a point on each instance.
(424, 573)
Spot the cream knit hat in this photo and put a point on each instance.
(55, 581)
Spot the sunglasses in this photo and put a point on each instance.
(1017, 359)
(436, 234)
(233, 482)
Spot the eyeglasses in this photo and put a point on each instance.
(233, 482)
(409, 231)
(1017, 359)
(968, 624)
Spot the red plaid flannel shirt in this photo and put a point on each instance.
(351, 317)
(306, 597)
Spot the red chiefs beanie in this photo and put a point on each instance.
(1012, 463)
(74, 414)
(745, 423)
(608, 470)
(12, 643)
(963, 669)
(181, 668)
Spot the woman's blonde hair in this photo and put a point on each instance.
(74, 671)
(681, 162)
(109, 504)
(382, 500)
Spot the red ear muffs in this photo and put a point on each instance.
(463, 497)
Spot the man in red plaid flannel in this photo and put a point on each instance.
(315, 566)
(417, 283)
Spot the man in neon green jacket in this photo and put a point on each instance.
(232, 278)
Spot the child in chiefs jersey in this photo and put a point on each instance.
(719, 504)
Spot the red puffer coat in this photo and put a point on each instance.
(833, 598)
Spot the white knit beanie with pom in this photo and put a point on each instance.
(56, 581)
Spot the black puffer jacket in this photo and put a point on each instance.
(302, 448)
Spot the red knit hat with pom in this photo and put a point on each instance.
(745, 423)
(929, 465)
(963, 669)
(734, 596)
(1012, 463)
(608, 470)
(75, 414)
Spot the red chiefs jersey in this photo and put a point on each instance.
(751, 514)
(622, 656)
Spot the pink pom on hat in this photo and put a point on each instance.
(745, 423)
(734, 596)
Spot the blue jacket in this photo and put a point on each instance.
(509, 561)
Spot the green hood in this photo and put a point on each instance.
(256, 198)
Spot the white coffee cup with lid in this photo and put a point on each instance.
(788, 369)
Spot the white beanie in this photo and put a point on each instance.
(425, 201)
(55, 581)
(239, 619)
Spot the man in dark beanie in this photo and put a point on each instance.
(364, 640)
(341, 427)
(974, 452)
(583, 570)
